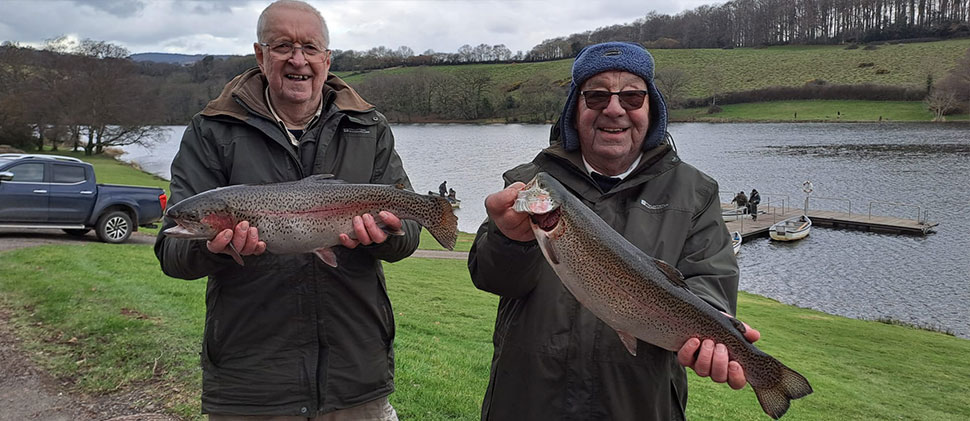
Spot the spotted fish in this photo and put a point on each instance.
(639, 296)
(307, 216)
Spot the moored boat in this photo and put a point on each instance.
(736, 241)
(791, 229)
(734, 214)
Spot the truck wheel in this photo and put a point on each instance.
(114, 227)
(77, 232)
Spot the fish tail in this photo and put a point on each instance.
(443, 225)
(775, 398)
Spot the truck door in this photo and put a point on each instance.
(72, 193)
(25, 197)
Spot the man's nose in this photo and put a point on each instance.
(614, 107)
(298, 58)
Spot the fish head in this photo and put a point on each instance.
(199, 218)
(540, 200)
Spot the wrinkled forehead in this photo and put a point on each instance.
(614, 80)
(292, 24)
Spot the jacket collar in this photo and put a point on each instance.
(653, 162)
(244, 94)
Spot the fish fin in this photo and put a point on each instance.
(326, 254)
(442, 222)
(738, 325)
(323, 178)
(235, 255)
(629, 341)
(398, 232)
(776, 398)
(673, 275)
(550, 251)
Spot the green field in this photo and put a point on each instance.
(743, 69)
(104, 318)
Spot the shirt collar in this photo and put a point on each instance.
(279, 121)
(590, 170)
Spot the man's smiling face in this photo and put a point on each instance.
(612, 137)
(294, 80)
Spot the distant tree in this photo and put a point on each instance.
(672, 82)
(941, 101)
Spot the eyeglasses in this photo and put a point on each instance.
(285, 49)
(599, 100)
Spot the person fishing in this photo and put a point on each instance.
(554, 359)
(443, 188)
(287, 335)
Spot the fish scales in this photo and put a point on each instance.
(640, 296)
(307, 215)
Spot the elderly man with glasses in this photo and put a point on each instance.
(553, 358)
(287, 336)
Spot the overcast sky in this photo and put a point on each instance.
(228, 26)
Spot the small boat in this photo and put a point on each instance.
(736, 241)
(734, 214)
(455, 203)
(791, 229)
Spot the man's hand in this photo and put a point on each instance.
(712, 359)
(244, 239)
(368, 232)
(515, 225)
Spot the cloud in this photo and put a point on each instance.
(119, 8)
(228, 26)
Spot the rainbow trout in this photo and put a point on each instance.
(639, 296)
(307, 216)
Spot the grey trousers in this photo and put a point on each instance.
(375, 410)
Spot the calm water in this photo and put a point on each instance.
(918, 280)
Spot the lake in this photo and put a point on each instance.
(918, 280)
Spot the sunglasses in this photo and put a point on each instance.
(629, 100)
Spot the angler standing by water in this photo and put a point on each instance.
(288, 336)
(553, 358)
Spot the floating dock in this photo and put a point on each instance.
(823, 218)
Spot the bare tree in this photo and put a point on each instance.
(941, 102)
(672, 82)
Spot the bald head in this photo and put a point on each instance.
(261, 25)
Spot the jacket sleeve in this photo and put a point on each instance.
(389, 169)
(708, 262)
(503, 266)
(196, 168)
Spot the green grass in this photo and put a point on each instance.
(428, 242)
(816, 110)
(138, 329)
(743, 69)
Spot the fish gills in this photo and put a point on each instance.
(639, 296)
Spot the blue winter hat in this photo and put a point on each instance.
(622, 56)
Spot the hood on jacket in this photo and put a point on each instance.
(249, 88)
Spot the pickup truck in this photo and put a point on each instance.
(50, 191)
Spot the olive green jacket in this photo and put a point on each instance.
(553, 359)
(287, 334)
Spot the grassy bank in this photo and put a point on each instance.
(104, 318)
(815, 111)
